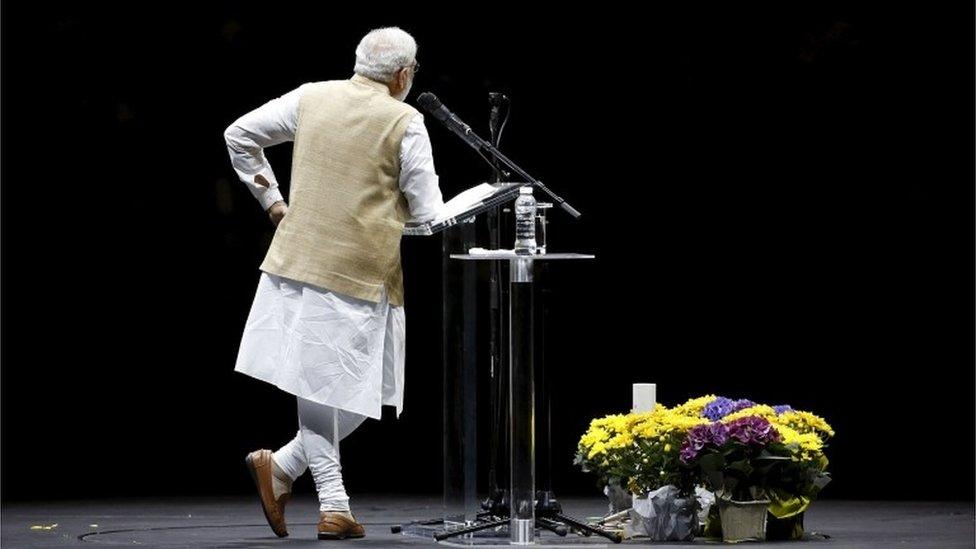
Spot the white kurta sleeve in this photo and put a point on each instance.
(274, 122)
(418, 180)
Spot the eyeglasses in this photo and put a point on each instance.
(415, 67)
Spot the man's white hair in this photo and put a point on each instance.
(382, 52)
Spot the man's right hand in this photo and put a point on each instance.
(277, 212)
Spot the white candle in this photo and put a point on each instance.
(645, 397)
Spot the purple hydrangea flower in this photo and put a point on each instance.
(688, 454)
(742, 404)
(718, 408)
(714, 434)
(782, 408)
(718, 434)
(752, 430)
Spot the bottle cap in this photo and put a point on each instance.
(525, 190)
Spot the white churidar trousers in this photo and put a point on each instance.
(316, 447)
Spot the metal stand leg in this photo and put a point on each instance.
(586, 528)
(553, 526)
(471, 529)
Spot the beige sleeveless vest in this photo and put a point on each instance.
(346, 212)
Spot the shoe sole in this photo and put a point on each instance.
(254, 476)
(336, 537)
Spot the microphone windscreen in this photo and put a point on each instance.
(429, 102)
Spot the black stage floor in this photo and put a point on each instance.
(238, 523)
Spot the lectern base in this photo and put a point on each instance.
(522, 531)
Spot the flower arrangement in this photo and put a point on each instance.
(740, 448)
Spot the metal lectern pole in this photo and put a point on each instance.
(522, 403)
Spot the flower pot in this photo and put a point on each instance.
(743, 520)
(664, 515)
(785, 529)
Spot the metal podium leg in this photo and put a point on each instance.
(522, 404)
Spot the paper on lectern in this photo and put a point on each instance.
(465, 200)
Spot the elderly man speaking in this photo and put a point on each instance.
(327, 324)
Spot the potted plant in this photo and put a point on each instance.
(600, 450)
(734, 460)
(665, 507)
(794, 484)
(641, 452)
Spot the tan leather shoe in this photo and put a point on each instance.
(259, 464)
(338, 526)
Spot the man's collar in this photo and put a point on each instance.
(370, 83)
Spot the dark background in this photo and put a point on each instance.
(781, 202)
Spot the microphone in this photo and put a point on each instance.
(430, 103)
(495, 127)
(497, 99)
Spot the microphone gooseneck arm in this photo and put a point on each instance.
(433, 105)
(495, 153)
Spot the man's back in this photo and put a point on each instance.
(346, 216)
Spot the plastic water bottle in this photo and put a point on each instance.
(525, 222)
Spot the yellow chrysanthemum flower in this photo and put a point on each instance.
(803, 446)
(760, 410)
(693, 407)
(594, 435)
(805, 422)
(597, 449)
(621, 440)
